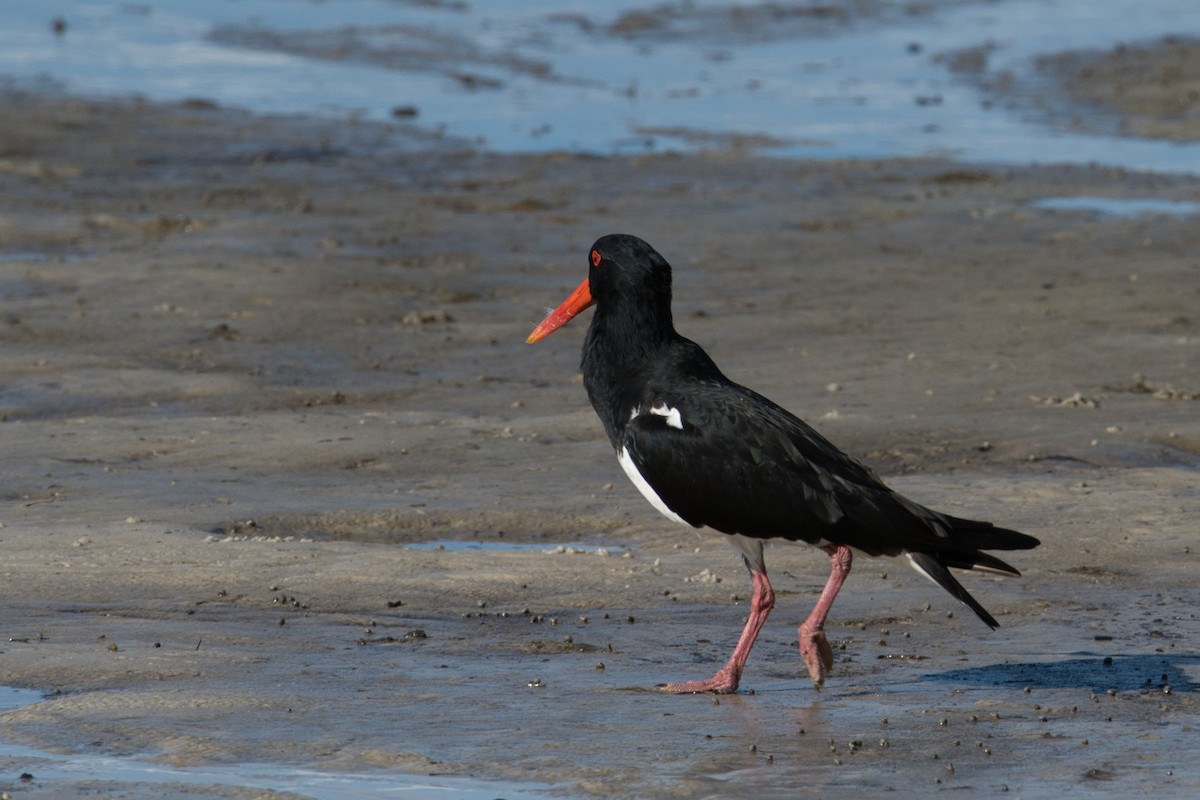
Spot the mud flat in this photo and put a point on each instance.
(1143, 89)
(249, 363)
(1146, 89)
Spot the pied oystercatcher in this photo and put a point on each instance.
(707, 452)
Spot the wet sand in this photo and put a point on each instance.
(1136, 90)
(1148, 89)
(247, 362)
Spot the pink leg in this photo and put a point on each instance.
(727, 678)
(814, 647)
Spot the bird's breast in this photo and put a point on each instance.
(643, 486)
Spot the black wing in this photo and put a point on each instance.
(742, 464)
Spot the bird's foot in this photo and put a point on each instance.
(724, 682)
(817, 654)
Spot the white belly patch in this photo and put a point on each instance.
(645, 488)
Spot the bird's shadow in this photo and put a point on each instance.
(1093, 671)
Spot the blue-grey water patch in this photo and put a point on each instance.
(1121, 206)
(49, 768)
(857, 80)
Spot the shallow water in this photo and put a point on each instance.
(50, 768)
(1120, 206)
(551, 74)
(456, 545)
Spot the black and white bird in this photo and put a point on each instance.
(708, 452)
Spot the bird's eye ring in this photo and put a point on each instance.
(596, 258)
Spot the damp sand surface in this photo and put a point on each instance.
(249, 362)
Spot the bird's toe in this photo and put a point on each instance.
(724, 682)
(817, 655)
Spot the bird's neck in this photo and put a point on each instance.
(618, 357)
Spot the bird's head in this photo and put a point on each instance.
(622, 271)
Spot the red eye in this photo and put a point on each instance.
(595, 258)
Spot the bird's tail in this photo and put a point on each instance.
(963, 551)
(931, 567)
(972, 533)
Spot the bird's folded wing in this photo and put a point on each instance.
(715, 464)
(735, 462)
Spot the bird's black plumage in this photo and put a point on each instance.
(716, 454)
(741, 464)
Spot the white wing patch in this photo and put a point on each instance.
(645, 488)
(674, 419)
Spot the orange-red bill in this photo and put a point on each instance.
(580, 299)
